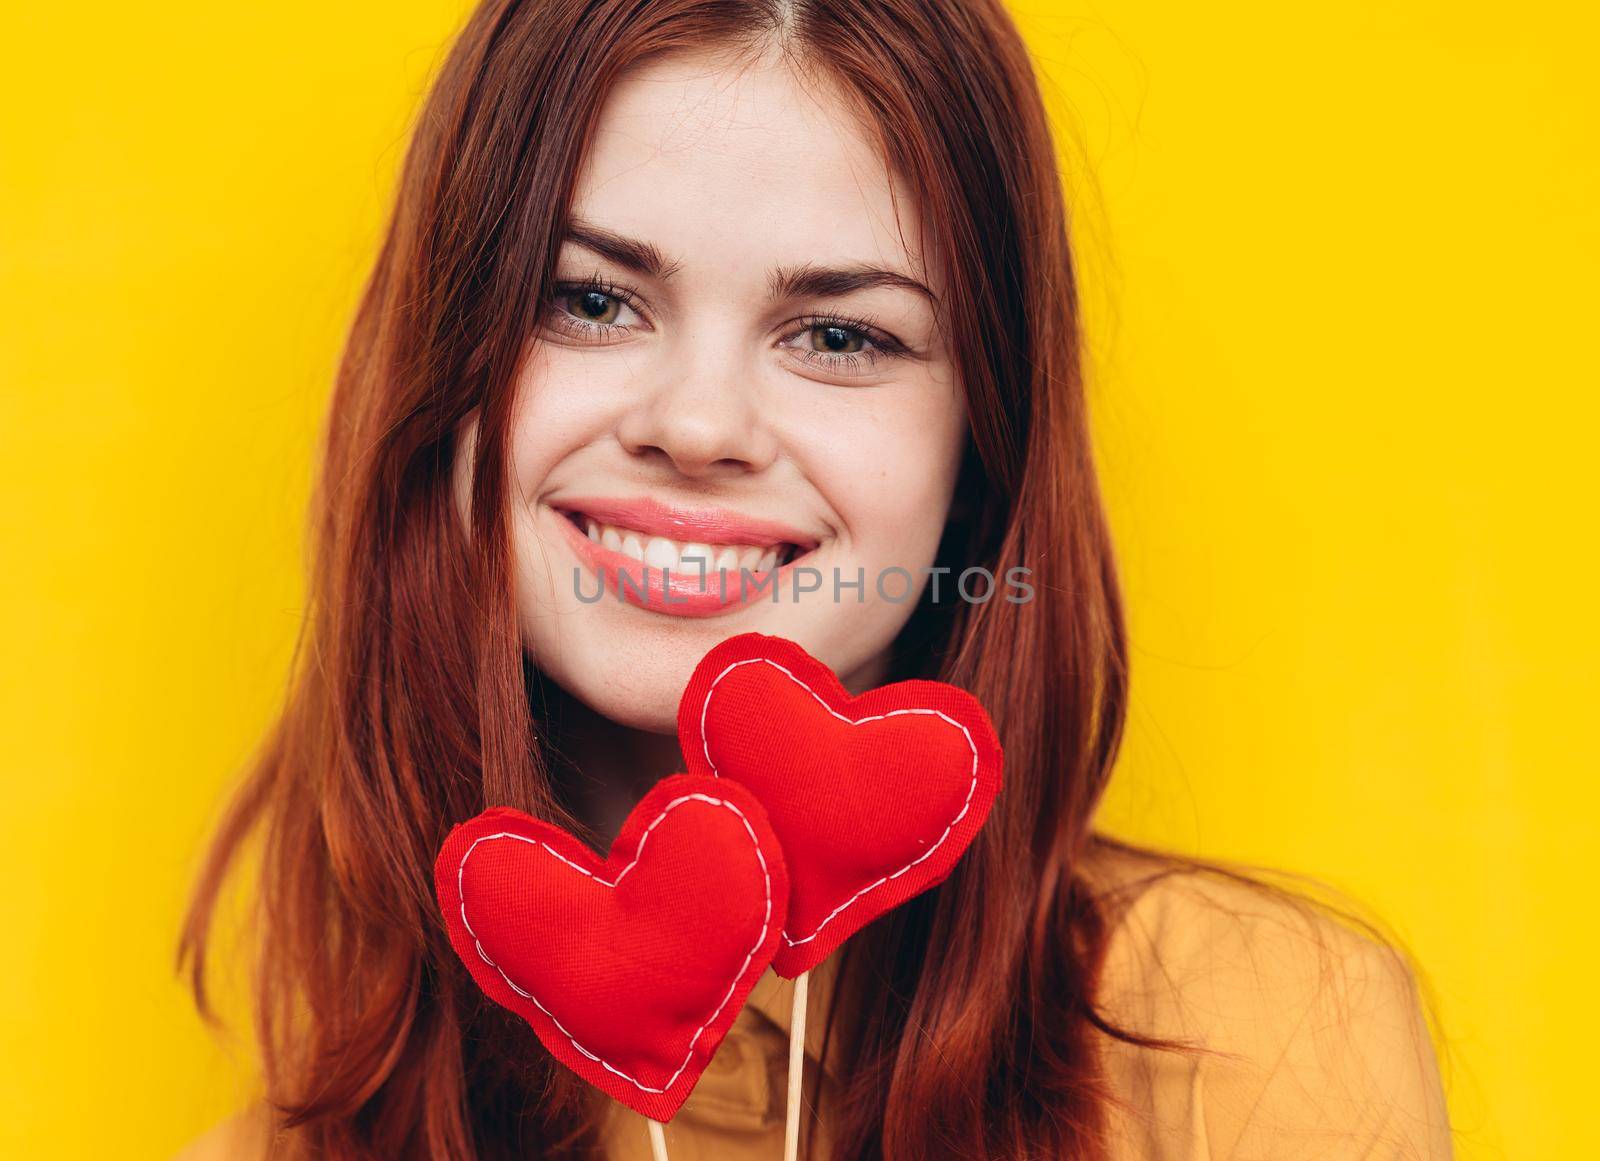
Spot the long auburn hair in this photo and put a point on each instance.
(409, 708)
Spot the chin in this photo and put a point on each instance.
(656, 711)
(634, 678)
(631, 665)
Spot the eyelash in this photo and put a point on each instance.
(884, 346)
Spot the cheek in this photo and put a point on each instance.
(890, 475)
(559, 409)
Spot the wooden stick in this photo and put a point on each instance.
(797, 1061)
(658, 1141)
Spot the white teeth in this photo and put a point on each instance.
(698, 557)
(693, 557)
(661, 553)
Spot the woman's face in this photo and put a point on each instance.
(739, 388)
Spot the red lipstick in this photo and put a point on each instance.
(685, 594)
(707, 525)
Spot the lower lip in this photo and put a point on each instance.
(646, 587)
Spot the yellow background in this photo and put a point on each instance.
(1341, 266)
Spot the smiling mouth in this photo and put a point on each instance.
(685, 557)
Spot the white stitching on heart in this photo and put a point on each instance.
(766, 921)
(962, 813)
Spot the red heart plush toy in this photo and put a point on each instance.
(874, 798)
(629, 969)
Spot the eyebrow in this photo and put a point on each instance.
(807, 280)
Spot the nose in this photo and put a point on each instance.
(702, 417)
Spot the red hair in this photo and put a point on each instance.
(409, 708)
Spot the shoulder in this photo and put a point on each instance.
(1311, 1034)
(246, 1136)
(1184, 926)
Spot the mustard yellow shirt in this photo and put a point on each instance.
(1325, 1051)
(1328, 1054)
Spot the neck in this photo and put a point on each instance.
(601, 769)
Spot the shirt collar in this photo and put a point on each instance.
(772, 999)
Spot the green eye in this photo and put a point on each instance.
(836, 340)
(596, 306)
(592, 310)
(838, 345)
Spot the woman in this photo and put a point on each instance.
(760, 285)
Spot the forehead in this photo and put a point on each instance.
(727, 166)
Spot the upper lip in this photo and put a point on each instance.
(701, 525)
